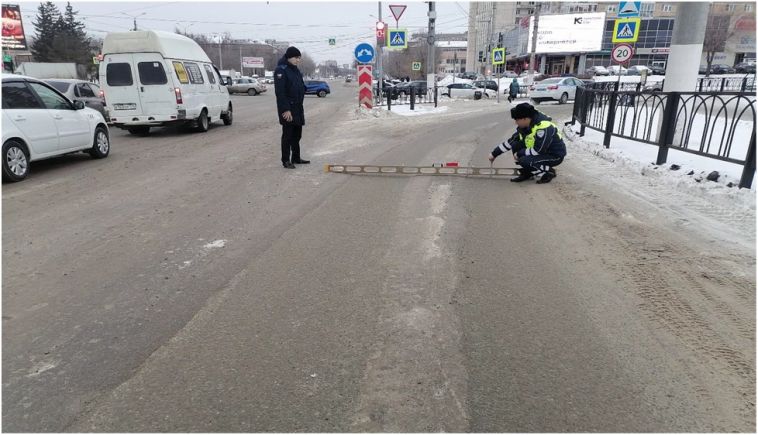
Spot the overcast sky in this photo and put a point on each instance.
(307, 25)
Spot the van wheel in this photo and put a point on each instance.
(252, 92)
(536, 101)
(564, 98)
(322, 94)
(139, 131)
(229, 117)
(102, 144)
(202, 122)
(15, 160)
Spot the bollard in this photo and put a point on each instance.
(413, 98)
(611, 119)
(668, 127)
(749, 169)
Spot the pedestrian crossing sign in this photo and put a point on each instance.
(498, 56)
(626, 30)
(397, 38)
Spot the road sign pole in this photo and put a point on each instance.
(499, 76)
(379, 66)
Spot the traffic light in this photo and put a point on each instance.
(481, 55)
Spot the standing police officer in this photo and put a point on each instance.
(290, 93)
(537, 145)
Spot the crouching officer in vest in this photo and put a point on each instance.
(537, 145)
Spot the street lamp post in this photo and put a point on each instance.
(134, 17)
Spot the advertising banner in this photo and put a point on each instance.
(570, 33)
(13, 28)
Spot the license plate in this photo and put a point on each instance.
(129, 106)
(540, 89)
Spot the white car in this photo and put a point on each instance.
(466, 90)
(617, 70)
(636, 70)
(560, 89)
(39, 123)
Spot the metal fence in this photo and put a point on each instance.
(715, 125)
(704, 84)
(429, 96)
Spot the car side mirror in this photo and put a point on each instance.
(79, 105)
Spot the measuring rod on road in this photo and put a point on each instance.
(436, 169)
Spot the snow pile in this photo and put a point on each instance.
(449, 80)
(405, 110)
(682, 171)
(376, 112)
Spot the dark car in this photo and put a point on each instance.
(487, 84)
(745, 67)
(315, 87)
(717, 69)
(417, 87)
(469, 75)
(657, 70)
(80, 90)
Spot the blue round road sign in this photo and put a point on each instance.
(364, 53)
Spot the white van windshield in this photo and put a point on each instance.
(151, 73)
(119, 74)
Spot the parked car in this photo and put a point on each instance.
(716, 69)
(153, 78)
(39, 123)
(509, 74)
(616, 70)
(488, 84)
(403, 89)
(466, 90)
(657, 70)
(636, 70)
(560, 89)
(538, 76)
(598, 70)
(745, 68)
(81, 90)
(247, 85)
(348, 79)
(317, 87)
(468, 75)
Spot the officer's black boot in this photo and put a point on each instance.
(547, 176)
(524, 175)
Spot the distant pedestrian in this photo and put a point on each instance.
(513, 90)
(537, 145)
(290, 94)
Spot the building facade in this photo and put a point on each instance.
(494, 24)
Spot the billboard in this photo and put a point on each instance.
(252, 62)
(13, 28)
(569, 33)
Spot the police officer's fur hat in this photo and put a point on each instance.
(523, 110)
(292, 52)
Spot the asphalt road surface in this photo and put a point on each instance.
(190, 283)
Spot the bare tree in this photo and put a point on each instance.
(307, 65)
(717, 32)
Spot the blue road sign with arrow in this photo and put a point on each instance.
(364, 53)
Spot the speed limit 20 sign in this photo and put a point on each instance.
(622, 53)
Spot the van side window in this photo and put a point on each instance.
(119, 74)
(209, 72)
(151, 73)
(194, 73)
(181, 73)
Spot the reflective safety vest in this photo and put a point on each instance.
(529, 139)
